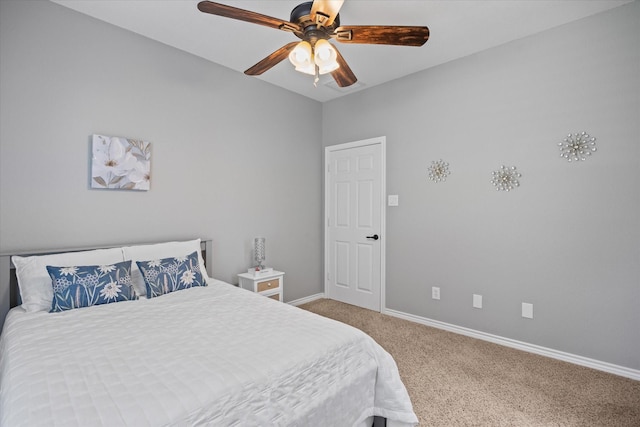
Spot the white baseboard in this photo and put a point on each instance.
(622, 371)
(306, 299)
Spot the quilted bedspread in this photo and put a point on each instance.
(215, 355)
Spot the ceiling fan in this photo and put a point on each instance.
(315, 22)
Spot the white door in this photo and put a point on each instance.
(354, 228)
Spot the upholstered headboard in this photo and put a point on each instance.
(10, 294)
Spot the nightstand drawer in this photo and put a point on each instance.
(268, 285)
(275, 297)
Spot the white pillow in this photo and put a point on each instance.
(159, 251)
(34, 281)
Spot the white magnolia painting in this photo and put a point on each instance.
(120, 163)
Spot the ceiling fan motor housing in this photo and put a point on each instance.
(312, 30)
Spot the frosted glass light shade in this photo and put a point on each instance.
(325, 57)
(307, 69)
(300, 56)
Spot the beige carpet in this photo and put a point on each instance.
(455, 380)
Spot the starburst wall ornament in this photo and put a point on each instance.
(577, 146)
(438, 171)
(506, 178)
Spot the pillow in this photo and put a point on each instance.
(157, 252)
(171, 274)
(76, 287)
(34, 281)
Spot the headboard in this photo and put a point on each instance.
(10, 294)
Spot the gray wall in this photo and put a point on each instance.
(228, 159)
(567, 240)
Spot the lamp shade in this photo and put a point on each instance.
(325, 57)
(259, 250)
(300, 56)
(307, 69)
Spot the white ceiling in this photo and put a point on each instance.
(458, 28)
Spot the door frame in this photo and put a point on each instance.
(382, 141)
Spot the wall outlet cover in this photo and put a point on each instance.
(435, 292)
(392, 200)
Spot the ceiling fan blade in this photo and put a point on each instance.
(343, 75)
(248, 16)
(324, 12)
(271, 60)
(382, 34)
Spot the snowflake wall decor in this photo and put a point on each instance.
(438, 171)
(577, 146)
(506, 178)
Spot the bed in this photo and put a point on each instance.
(199, 355)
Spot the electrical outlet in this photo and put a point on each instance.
(435, 292)
(477, 301)
(527, 310)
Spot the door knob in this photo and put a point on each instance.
(374, 237)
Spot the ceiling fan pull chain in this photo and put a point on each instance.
(317, 78)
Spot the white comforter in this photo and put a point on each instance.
(218, 356)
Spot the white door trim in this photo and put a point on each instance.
(382, 141)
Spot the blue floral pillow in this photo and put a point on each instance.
(166, 275)
(75, 287)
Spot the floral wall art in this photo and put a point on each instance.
(120, 163)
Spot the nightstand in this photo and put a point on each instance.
(268, 284)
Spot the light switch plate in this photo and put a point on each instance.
(392, 200)
(527, 310)
(477, 301)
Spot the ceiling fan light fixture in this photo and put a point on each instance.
(314, 22)
(325, 57)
